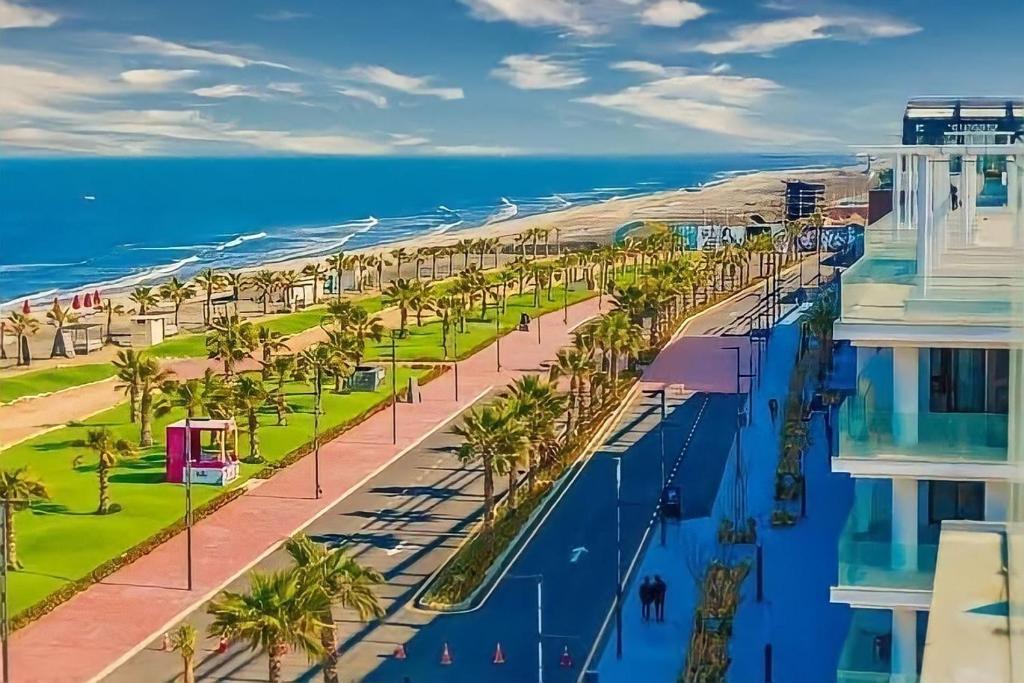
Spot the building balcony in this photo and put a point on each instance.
(866, 655)
(942, 437)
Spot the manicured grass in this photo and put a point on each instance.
(52, 379)
(194, 345)
(62, 540)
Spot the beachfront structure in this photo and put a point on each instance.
(932, 434)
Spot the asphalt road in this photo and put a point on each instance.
(408, 519)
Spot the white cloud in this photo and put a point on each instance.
(538, 72)
(477, 150)
(156, 78)
(772, 35)
(373, 98)
(13, 15)
(672, 13)
(721, 68)
(283, 15)
(164, 48)
(545, 13)
(225, 90)
(412, 85)
(727, 105)
(404, 140)
(287, 88)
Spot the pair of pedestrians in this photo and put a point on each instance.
(653, 593)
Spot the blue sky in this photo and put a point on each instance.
(457, 77)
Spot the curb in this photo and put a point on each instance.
(501, 564)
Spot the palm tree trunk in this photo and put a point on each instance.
(330, 645)
(254, 435)
(189, 670)
(12, 550)
(146, 419)
(133, 403)
(104, 475)
(512, 488)
(488, 491)
(274, 664)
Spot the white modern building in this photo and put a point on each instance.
(931, 435)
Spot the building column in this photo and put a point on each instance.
(997, 501)
(904, 395)
(969, 190)
(904, 642)
(904, 524)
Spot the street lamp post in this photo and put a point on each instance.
(618, 558)
(317, 390)
(455, 348)
(661, 436)
(565, 300)
(394, 390)
(497, 339)
(540, 629)
(188, 499)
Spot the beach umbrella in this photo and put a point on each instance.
(96, 297)
(75, 303)
(88, 300)
(25, 308)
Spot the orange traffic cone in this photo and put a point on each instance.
(165, 643)
(399, 652)
(566, 660)
(222, 646)
(499, 656)
(446, 656)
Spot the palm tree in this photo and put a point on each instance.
(143, 298)
(537, 405)
(287, 281)
(451, 311)
(401, 293)
(399, 255)
(280, 369)
(316, 272)
(127, 364)
(189, 395)
(617, 335)
(343, 581)
(18, 489)
(493, 436)
(109, 450)
(356, 322)
(231, 341)
(423, 301)
(270, 341)
(236, 281)
(266, 282)
(280, 610)
(505, 278)
(337, 262)
(150, 380)
(418, 258)
(185, 641)
(178, 293)
(248, 396)
(59, 316)
(450, 251)
(578, 365)
(464, 247)
(23, 326)
(209, 281)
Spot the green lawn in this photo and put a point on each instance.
(53, 379)
(51, 536)
(194, 345)
(424, 343)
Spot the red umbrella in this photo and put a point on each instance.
(88, 300)
(96, 297)
(25, 308)
(75, 303)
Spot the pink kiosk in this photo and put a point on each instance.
(217, 463)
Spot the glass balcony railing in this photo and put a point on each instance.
(846, 676)
(866, 655)
(883, 564)
(974, 437)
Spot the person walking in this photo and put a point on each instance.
(659, 588)
(773, 408)
(646, 598)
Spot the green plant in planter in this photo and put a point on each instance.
(782, 518)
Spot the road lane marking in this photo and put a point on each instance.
(577, 553)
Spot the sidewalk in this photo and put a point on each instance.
(657, 652)
(89, 635)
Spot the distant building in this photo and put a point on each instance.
(930, 558)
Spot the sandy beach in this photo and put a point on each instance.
(728, 202)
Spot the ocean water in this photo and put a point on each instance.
(70, 225)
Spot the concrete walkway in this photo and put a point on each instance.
(92, 633)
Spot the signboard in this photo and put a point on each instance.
(218, 476)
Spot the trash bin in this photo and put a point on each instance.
(672, 503)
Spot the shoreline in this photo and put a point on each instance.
(602, 216)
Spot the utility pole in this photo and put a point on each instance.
(394, 390)
(497, 339)
(188, 499)
(316, 432)
(618, 558)
(455, 346)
